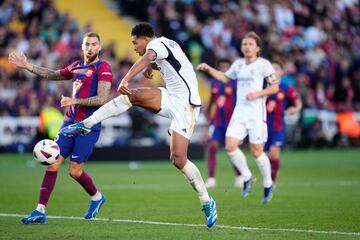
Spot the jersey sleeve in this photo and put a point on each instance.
(66, 72)
(159, 48)
(231, 72)
(104, 72)
(269, 73)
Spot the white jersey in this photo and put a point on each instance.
(251, 78)
(177, 70)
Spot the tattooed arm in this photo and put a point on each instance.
(21, 62)
(98, 100)
(46, 73)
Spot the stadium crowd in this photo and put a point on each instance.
(318, 41)
(49, 39)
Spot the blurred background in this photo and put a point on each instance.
(318, 41)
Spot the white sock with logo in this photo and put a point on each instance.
(192, 174)
(112, 108)
(263, 163)
(238, 159)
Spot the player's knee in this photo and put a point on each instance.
(230, 147)
(274, 154)
(256, 152)
(75, 173)
(55, 166)
(135, 97)
(52, 168)
(214, 145)
(178, 160)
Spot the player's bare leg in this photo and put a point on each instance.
(47, 186)
(274, 155)
(178, 156)
(76, 171)
(148, 98)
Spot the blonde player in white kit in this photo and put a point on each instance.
(249, 116)
(179, 101)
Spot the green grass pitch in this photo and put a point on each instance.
(317, 197)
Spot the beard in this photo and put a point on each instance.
(91, 58)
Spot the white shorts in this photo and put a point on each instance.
(257, 130)
(183, 115)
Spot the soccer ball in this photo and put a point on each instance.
(46, 152)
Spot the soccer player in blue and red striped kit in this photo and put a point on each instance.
(284, 101)
(91, 80)
(219, 110)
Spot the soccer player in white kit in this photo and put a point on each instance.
(256, 80)
(179, 101)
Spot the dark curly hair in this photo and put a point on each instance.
(143, 30)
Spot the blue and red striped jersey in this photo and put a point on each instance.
(283, 99)
(85, 80)
(224, 98)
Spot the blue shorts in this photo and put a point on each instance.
(275, 139)
(219, 134)
(79, 146)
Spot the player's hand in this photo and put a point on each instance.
(251, 96)
(19, 61)
(123, 87)
(270, 106)
(203, 67)
(148, 72)
(67, 101)
(291, 110)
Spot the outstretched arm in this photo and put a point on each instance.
(138, 66)
(21, 62)
(213, 72)
(101, 98)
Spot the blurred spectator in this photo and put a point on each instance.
(49, 39)
(319, 43)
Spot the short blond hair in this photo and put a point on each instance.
(257, 39)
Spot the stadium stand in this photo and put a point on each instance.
(318, 41)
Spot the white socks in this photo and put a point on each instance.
(41, 208)
(112, 108)
(263, 163)
(238, 159)
(97, 196)
(192, 174)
